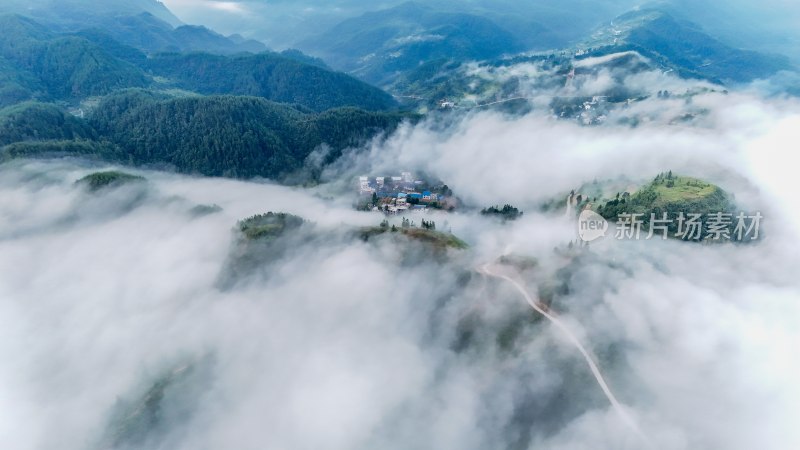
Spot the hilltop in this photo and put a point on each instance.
(101, 180)
(668, 193)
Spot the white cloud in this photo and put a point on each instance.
(345, 345)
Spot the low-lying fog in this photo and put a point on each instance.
(343, 345)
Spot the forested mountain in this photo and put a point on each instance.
(152, 35)
(218, 135)
(229, 136)
(113, 47)
(36, 63)
(58, 66)
(684, 47)
(71, 13)
(15, 85)
(377, 46)
(144, 24)
(539, 24)
(268, 75)
(748, 25)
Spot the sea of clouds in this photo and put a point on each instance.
(345, 345)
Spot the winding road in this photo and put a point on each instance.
(628, 420)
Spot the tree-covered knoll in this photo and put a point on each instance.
(100, 180)
(261, 241)
(507, 212)
(268, 226)
(425, 234)
(670, 194)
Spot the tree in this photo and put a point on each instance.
(507, 212)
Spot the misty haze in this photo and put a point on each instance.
(456, 224)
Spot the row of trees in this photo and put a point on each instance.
(507, 212)
(406, 223)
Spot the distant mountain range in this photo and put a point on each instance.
(39, 63)
(385, 46)
(682, 46)
(145, 24)
(378, 46)
(36, 63)
(77, 13)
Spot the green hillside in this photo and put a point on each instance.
(33, 121)
(268, 226)
(65, 13)
(431, 239)
(229, 136)
(36, 63)
(269, 75)
(152, 35)
(63, 66)
(670, 194)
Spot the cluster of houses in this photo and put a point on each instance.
(396, 194)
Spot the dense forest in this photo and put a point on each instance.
(83, 92)
(40, 121)
(269, 75)
(36, 63)
(229, 136)
(218, 135)
(507, 212)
